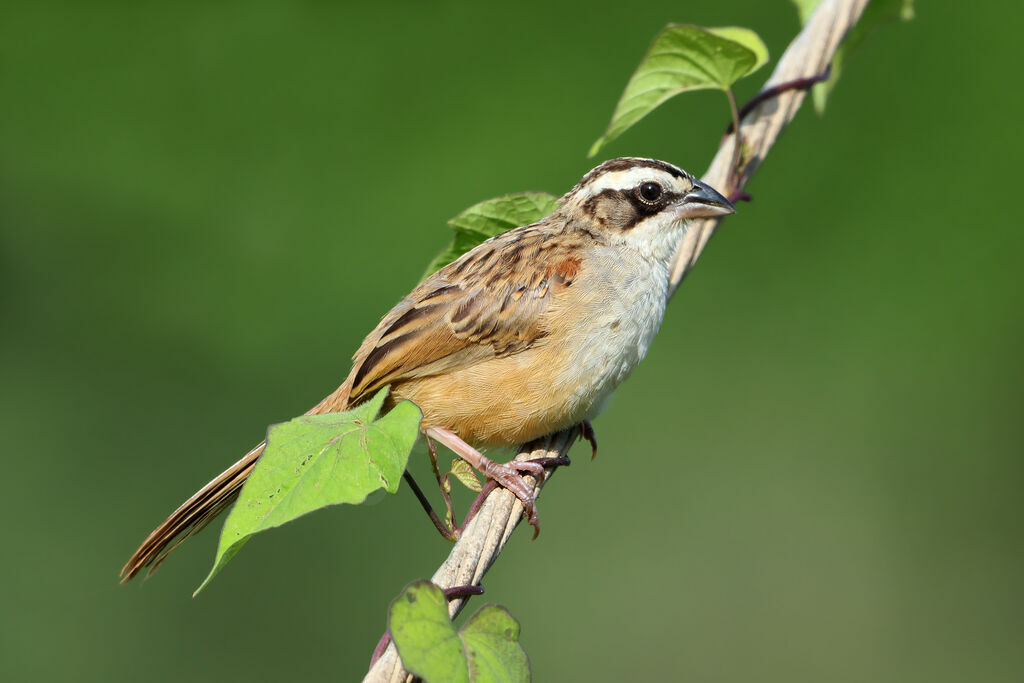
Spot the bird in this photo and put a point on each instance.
(525, 335)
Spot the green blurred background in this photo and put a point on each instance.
(815, 475)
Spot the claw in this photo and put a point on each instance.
(508, 476)
(587, 432)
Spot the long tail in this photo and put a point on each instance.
(193, 515)
(211, 500)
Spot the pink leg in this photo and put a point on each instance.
(508, 474)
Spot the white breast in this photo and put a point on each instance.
(617, 328)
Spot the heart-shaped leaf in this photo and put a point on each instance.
(489, 218)
(491, 639)
(486, 649)
(682, 58)
(318, 460)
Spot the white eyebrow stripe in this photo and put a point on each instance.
(623, 180)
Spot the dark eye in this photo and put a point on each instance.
(650, 192)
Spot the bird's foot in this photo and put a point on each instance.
(509, 475)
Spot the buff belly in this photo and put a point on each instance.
(512, 400)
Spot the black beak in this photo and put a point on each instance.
(703, 201)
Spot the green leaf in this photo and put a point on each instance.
(491, 638)
(489, 218)
(749, 40)
(486, 649)
(318, 460)
(682, 58)
(465, 473)
(877, 12)
(424, 634)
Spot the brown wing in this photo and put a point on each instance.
(491, 302)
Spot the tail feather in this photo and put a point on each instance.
(209, 501)
(191, 516)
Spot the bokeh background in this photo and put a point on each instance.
(815, 476)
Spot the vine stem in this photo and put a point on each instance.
(776, 90)
(734, 165)
(485, 536)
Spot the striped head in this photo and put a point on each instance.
(643, 203)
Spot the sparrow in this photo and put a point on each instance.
(523, 336)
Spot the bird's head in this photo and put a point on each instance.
(643, 203)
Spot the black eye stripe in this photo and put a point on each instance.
(610, 207)
(643, 208)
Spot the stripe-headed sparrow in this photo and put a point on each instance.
(524, 335)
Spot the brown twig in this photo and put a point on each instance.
(808, 55)
(425, 503)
